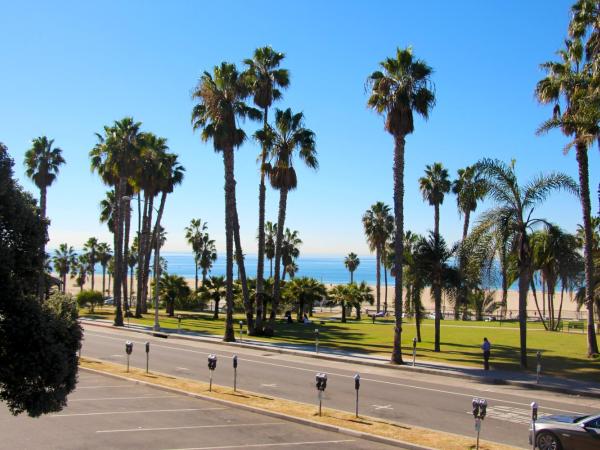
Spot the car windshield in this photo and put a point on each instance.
(581, 418)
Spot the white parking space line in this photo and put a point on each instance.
(279, 444)
(106, 413)
(391, 383)
(104, 387)
(120, 398)
(193, 427)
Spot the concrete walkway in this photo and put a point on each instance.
(525, 380)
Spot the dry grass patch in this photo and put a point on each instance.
(365, 424)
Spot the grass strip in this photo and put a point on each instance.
(364, 424)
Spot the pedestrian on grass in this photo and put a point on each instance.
(486, 347)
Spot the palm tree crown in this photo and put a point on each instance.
(351, 262)
(43, 162)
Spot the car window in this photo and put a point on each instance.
(594, 424)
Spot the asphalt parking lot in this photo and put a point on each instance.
(108, 413)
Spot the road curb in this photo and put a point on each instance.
(299, 420)
(405, 367)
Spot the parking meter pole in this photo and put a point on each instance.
(235, 364)
(321, 379)
(128, 350)
(534, 415)
(356, 388)
(539, 367)
(147, 356)
(210, 381)
(478, 427)
(241, 330)
(212, 365)
(414, 350)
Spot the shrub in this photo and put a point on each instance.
(90, 299)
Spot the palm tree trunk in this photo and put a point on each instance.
(562, 295)
(203, 276)
(537, 306)
(278, 241)
(131, 285)
(399, 244)
(118, 241)
(271, 271)
(103, 280)
(216, 309)
(42, 275)
(93, 265)
(229, 221)
(582, 161)
(195, 273)
(378, 277)
(351, 276)
(260, 267)
(127, 212)
(343, 311)
(524, 274)
(141, 255)
(242, 272)
(149, 248)
(64, 286)
(462, 295)
(385, 290)
(504, 270)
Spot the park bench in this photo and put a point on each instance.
(575, 325)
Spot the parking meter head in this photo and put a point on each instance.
(241, 324)
(317, 331)
(534, 410)
(475, 407)
(482, 408)
(128, 347)
(212, 362)
(414, 342)
(235, 361)
(147, 347)
(357, 381)
(321, 379)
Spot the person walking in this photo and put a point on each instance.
(486, 347)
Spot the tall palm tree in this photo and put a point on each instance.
(91, 247)
(104, 255)
(414, 278)
(401, 87)
(114, 158)
(42, 163)
(64, 258)
(379, 225)
(434, 186)
(515, 205)
(469, 188)
(270, 236)
(220, 97)
(193, 234)
(215, 289)
(290, 251)
(568, 83)
(265, 78)
(285, 139)
(351, 262)
(341, 294)
(208, 255)
(79, 270)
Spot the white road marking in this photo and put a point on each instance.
(279, 444)
(182, 369)
(509, 414)
(137, 412)
(103, 387)
(269, 385)
(392, 383)
(193, 427)
(117, 356)
(120, 398)
(378, 407)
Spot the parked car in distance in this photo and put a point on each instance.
(109, 301)
(490, 319)
(566, 432)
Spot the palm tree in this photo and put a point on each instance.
(42, 163)
(172, 288)
(208, 255)
(63, 259)
(515, 205)
(351, 262)
(220, 99)
(270, 236)
(305, 292)
(414, 278)
(193, 234)
(469, 188)
(215, 289)
(264, 78)
(361, 293)
(379, 225)
(290, 251)
(341, 295)
(91, 247)
(104, 255)
(568, 83)
(402, 87)
(79, 270)
(483, 302)
(114, 158)
(287, 137)
(132, 262)
(107, 209)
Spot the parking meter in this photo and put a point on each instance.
(356, 388)
(235, 364)
(534, 416)
(147, 355)
(212, 365)
(414, 350)
(178, 322)
(539, 366)
(128, 350)
(479, 413)
(321, 379)
(316, 340)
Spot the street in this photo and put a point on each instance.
(429, 401)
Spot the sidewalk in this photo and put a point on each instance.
(524, 380)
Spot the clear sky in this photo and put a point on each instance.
(68, 68)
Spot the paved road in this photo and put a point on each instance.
(417, 399)
(105, 413)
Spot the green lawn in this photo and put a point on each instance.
(563, 353)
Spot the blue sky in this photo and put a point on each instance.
(68, 68)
